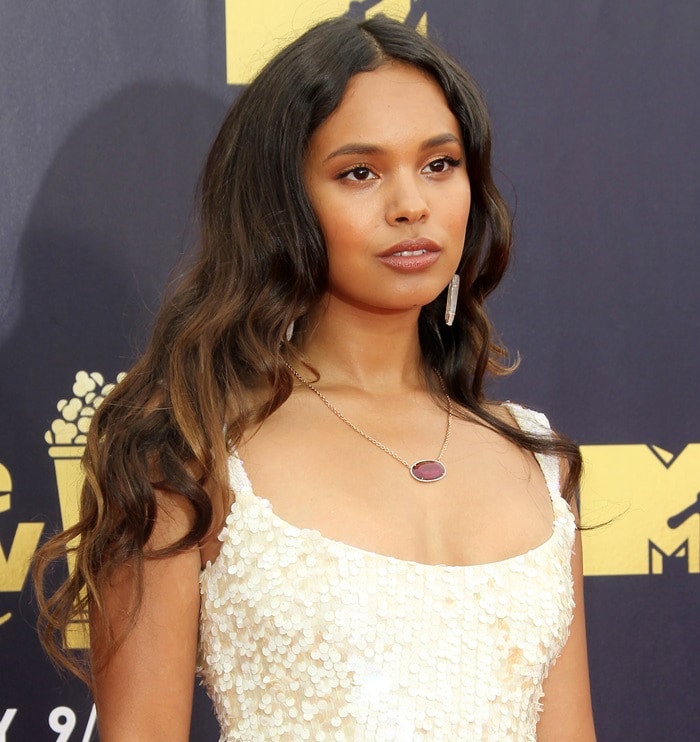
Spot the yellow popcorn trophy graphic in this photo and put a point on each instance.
(67, 438)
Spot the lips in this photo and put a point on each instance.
(408, 256)
(419, 245)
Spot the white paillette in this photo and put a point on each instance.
(306, 638)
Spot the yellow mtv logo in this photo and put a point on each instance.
(14, 563)
(257, 29)
(652, 499)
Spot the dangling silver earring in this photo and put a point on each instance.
(290, 332)
(452, 294)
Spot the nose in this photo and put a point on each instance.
(407, 203)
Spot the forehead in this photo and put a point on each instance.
(392, 106)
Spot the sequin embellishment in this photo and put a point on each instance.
(305, 638)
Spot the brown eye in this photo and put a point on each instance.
(442, 165)
(360, 173)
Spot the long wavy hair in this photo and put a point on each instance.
(216, 361)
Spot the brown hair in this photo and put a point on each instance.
(218, 345)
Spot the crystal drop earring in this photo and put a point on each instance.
(452, 294)
(289, 332)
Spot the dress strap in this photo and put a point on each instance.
(238, 479)
(536, 423)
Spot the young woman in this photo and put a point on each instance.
(300, 488)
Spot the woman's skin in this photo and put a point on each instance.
(385, 174)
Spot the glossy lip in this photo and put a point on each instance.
(411, 263)
(418, 243)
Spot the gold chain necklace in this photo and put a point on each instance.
(423, 470)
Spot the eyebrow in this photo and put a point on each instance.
(371, 149)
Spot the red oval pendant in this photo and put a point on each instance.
(428, 470)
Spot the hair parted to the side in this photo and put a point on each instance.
(215, 364)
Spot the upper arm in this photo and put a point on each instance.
(567, 712)
(144, 692)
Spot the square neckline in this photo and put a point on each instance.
(342, 548)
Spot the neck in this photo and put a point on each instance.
(373, 350)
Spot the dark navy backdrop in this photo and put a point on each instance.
(106, 113)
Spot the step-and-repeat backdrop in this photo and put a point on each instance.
(106, 113)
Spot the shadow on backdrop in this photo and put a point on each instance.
(109, 222)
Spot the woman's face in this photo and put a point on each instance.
(388, 182)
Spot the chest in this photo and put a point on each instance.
(493, 503)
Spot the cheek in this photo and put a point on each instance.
(347, 230)
(462, 215)
(330, 212)
(456, 219)
(454, 204)
(335, 235)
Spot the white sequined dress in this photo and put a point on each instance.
(306, 638)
